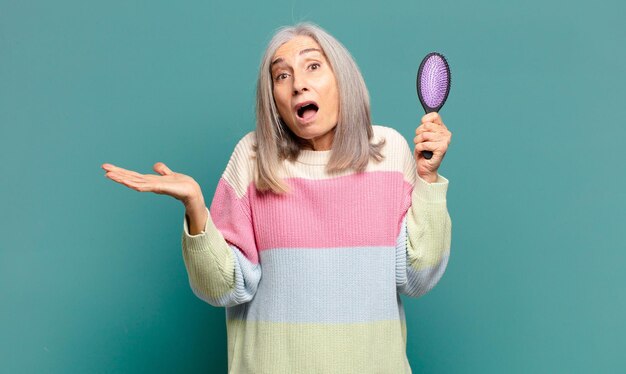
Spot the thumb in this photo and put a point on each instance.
(160, 168)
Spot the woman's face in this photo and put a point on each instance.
(305, 91)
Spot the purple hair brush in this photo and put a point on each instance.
(433, 85)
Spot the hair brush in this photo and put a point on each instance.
(433, 85)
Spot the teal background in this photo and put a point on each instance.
(91, 272)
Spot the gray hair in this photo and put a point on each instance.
(275, 142)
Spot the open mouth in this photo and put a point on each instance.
(307, 110)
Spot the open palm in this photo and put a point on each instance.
(180, 186)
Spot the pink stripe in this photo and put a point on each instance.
(348, 211)
(232, 218)
(356, 210)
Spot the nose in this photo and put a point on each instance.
(299, 84)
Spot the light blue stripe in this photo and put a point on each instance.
(331, 285)
(247, 278)
(411, 282)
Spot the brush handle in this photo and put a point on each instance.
(434, 71)
(428, 154)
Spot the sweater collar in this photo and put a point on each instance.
(311, 157)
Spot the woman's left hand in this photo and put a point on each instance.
(432, 135)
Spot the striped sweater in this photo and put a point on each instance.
(311, 281)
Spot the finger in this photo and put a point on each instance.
(122, 171)
(133, 184)
(420, 129)
(424, 136)
(162, 169)
(110, 167)
(123, 177)
(426, 146)
(141, 187)
(117, 178)
(428, 126)
(433, 117)
(429, 137)
(433, 126)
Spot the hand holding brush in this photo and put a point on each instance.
(432, 137)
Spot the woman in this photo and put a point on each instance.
(319, 222)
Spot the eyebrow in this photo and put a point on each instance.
(307, 50)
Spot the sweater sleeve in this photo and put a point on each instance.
(423, 243)
(222, 261)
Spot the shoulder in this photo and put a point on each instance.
(244, 151)
(395, 143)
(239, 171)
(381, 130)
(393, 139)
(245, 145)
(398, 154)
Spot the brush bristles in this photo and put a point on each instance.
(433, 81)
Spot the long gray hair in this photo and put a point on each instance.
(351, 146)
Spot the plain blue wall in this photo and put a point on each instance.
(91, 272)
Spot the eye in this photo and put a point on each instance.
(281, 76)
(314, 66)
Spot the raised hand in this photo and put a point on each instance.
(432, 135)
(180, 186)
